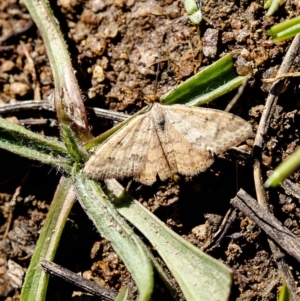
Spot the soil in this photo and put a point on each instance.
(116, 47)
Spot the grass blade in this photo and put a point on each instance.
(285, 30)
(18, 140)
(113, 227)
(36, 281)
(199, 276)
(284, 170)
(208, 84)
(122, 296)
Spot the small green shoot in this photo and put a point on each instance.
(36, 281)
(285, 30)
(284, 294)
(122, 296)
(284, 170)
(272, 6)
(193, 8)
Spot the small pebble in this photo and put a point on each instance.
(19, 89)
(7, 66)
(98, 74)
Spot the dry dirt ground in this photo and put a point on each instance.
(116, 48)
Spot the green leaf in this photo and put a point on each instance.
(113, 227)
(36, 281)
(199, 276)
(122, 296)
(18, 140)
(208, 84)
(284, 170)
(194, 11)
(284, 294)
(267, 3)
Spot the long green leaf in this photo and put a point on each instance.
(113, 227)
(36, 281)
(39, 141)
(199, 276)
(208, 84)
(18, 140)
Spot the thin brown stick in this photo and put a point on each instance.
(273, 228)
(16, 32)
(36, 83)
(283, 75)
(258, 143)
(268, 223)
(12, 203)
(223, 229)
(39, 121)
(238, 95)
(275, 92)
(26, 105)
(48, 105)
(79, 281)
(117, 116)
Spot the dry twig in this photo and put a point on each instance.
(274, 229)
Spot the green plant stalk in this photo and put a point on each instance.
(114, 228)
(68, 100)
(36, 281)
(199, 276)
(78, 153)
(284, 170)
(274, 30)
(284, 293)
(32, 154)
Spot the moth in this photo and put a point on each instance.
(167, 140)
